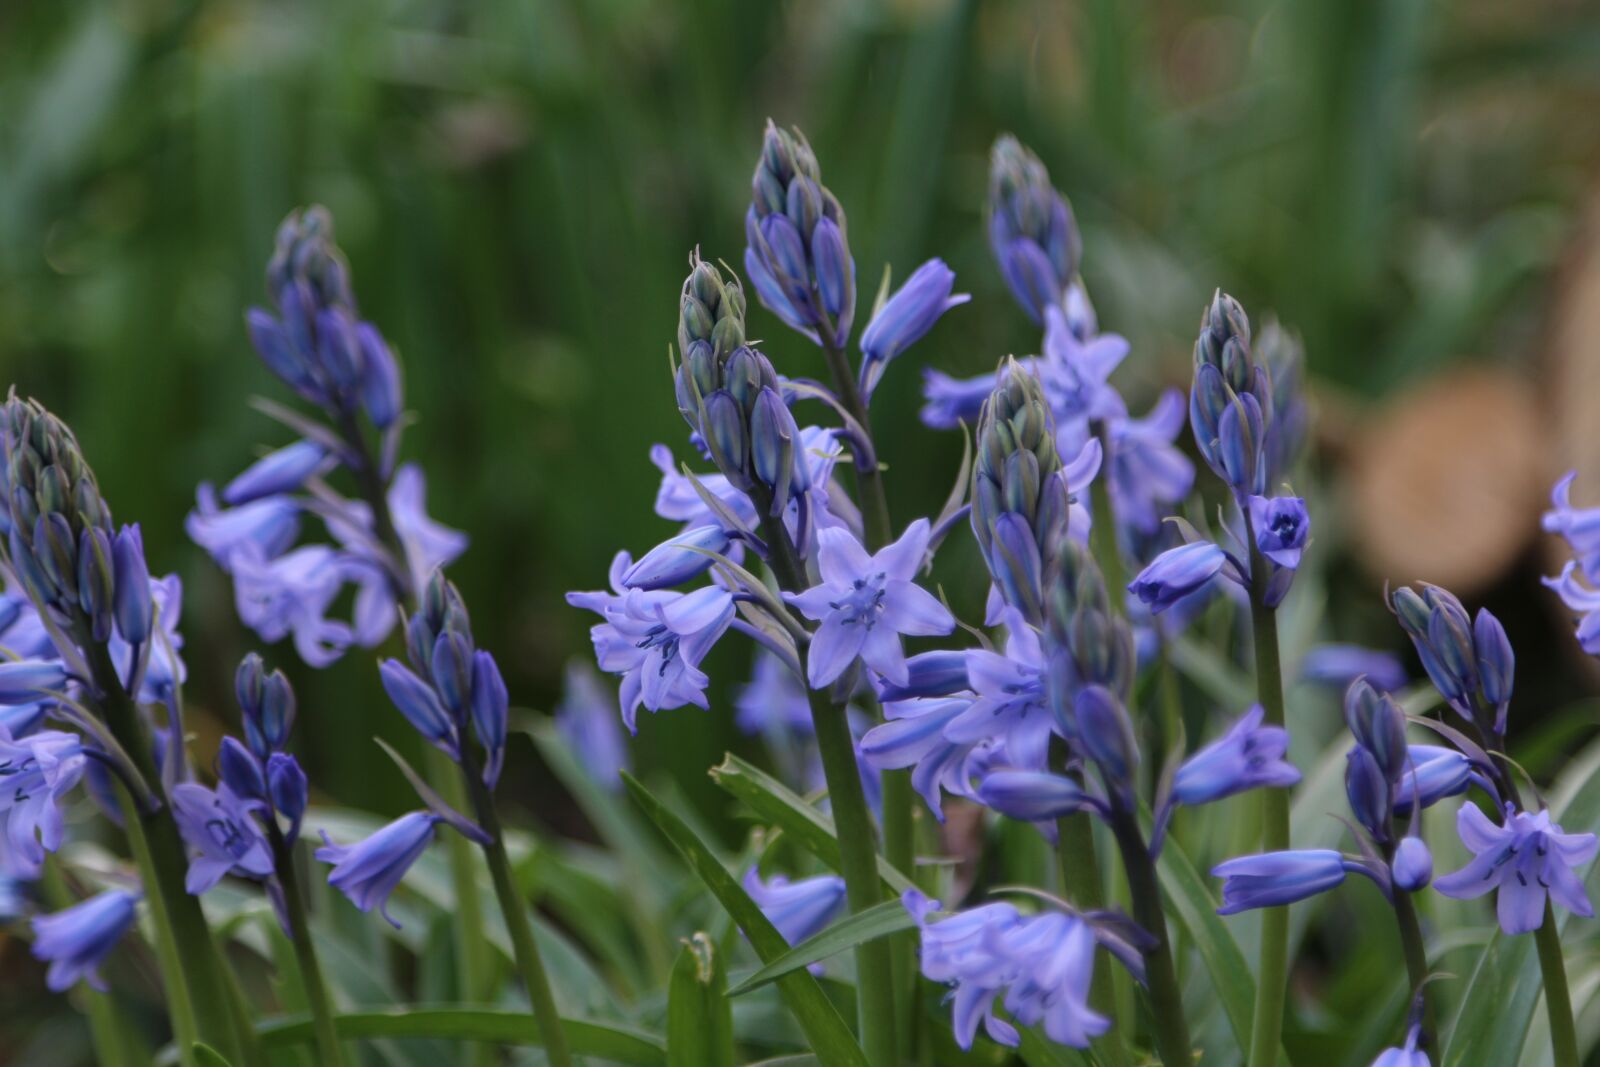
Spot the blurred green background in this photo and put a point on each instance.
(518, 186)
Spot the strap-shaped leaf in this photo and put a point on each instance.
(206, 1056)
(825, 1030)
(781, 807)
(699, 1016)
(880, 920)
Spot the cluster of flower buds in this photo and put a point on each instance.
(1375, 768)
(796, 252)
(1231, 404)
(451, 686)
(1031, 229)
(59, 539)
(1468, 658)
(316, 343)
(267, 705)
(1089, 643)
(729, 393)
(1020, 497)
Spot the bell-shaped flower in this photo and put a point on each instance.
(865, 603)
(1176, 573)
(36, 773)
(1012, 705)
(261, 530)
(1582, 601)
(290, 596)
(1282, 526)
(909, 314)
(1248, 756)
(914, 736)
(1053, 954)
(25, 681)
(369, 870)
(1412, 866)
(1338, 665)
(1407, 1056)
(429, 545)
(588, 721)
(949, 402)
(1271, 879)
(1150, 474)
(283, 471)
(678, 559)
(1432, 773)
(76, 940)
(959, 951)
(220, 829)
(1526, 858)
(798, 909)
(1032, 796)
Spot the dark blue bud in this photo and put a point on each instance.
(96, 584)
(1239, 440)
(267, 703)
(1496, 663)
(725, 432)
(380, 377)
(339, 349)
(419, 704)
(1412, 868)
(32, 576)
(1450, 639)
(490, 705)
(1176, 573)
(773, 434)
(277, 351)
(1106, 735)
(241, 770)
(931, 674)
(1379, 726)
(1412, 612)
(1432, 773)
(787, 250)
(1031, 796)
(283, 471)
(1368, 792)
(1031, 275)
(836, 273)
(287, 786)
(1016, 564)
(56, 551)
(678, 560)
(451, 668)
(134, 611)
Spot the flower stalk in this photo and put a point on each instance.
(329, 1051)
(1161, 977)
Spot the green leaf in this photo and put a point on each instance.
(699, 1015)
(1503, 991)
(206, 1056)
(781, 807)
(1038, 1051)
(880, 920)
(825, 1030)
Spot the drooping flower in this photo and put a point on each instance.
(1176, 573)
(219, 826)
(1579, 526)
(774, 701)
(865, 603)
(369, 870)
(907, 316)
(958, 951)
(1583, 602)
(279, 472)
(588, 720)
(1248, 756)
(260, 530)
(1526, 858)
(1054, 958)
(36, 773)
(1432, 773)
(1271, 879)
(290, 597)
(1032, 796)
(1339, 665)
(798, 909)
(1149, 474)
(913, 736)
(76, 940)
(1408, 1056)
(1012, 705)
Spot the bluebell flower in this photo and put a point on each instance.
(22, 632)
(76, 940)
(276, 473)
(773, 701)
(1432, 773)
(1281, 527)
(959, 951)
(1272, 879)
(241, 770)
(1407, 1056)
(1054, 958)
(912, 735)
(369, 870)
(656, 640)
(949, 402)
(1032, 796)
(221, 829)
(1369, 792)
(1379, 726)
(288, 790)
(1149, 474)
(865, 603)
(587, 719)
(1230, 403)
(1583, 601)
(1012, 704)
(1469, 661)
(36, 773)
(931, 674)
(1076, 373)
(798, 909)
(260, 530)
(429, 545)
(1339, 665)
(266, 703)
(678, 559)
(1177, 573)
(24, 681)
(1248, 756)
(907, 316)
(678, 501)
(490, 707)
(1032, 233)
(1579, 526)
(1412, 866)
(164, 669)
(290, 596)
(132, 605)
(1526, 858)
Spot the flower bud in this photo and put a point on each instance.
(96, 584)
(1032, 233)
(241, 770)
(283, 471)
(421, 706)
(1031, 796)
(134, 610)
(1368, 792)
(288, 789)
(339, 349)
(678, 560)
(380, 377)
(1106, 735)
(267, 703)
(490, 706)
(1496, 664)
(725, 432)
(1412, 868)
(23, 681)
(1379, 727)
(773, 434)
(451, 669)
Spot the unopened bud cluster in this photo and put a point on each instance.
(1231, 405)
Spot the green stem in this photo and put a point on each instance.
(530, 967)
(1272, 975)
(1161, 976)
(1557, 998)
(329, 1052)
(1405, 913)
(858, 853)
(1081, 884)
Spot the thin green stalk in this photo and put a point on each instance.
(530, 967)
(329, 1052)
(1081, 884)
(1405, 913)
(1161, 976)
(858, 853)
(1557, 997)
(1272, 975)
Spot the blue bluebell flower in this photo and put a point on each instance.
(1272, 879)
(1281, 526)
(798, 909)
(276, 473)
(1432, 773)
(1580, 527)
(25, 681)
(132, 604)
(1179, 572)
(1469, 661)
(290, 596)
(1148, 474)
(774, 701)
(1032, 796)
(261, 530)
(949, 402)
(587, 718)
(76, 940)
(912, 735)
(429, 545)
(241, 770)
(931, 674)
(1526, 858)
(1412, 866)
(679, 559)
(288, 790)
(220, 828)
(1379, 725)
(1054, 958)
(490, 706)
(795, 252)
(864, 603)
(1230, 403)
(1075, 372)
(655, 640)
(1032, 233)
(36, 774)
(421, 706)
(1012, 703)
(1248, 756)
(164, 669)
(1369, 791)
(1407, 1056)
(907, 316)
(1339, 665)
(369, 870)
(678, 500)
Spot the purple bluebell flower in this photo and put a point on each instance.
(290, 596)
(655, 640)
(952, 401)
(1272, 879)
(1054, 958)
(131, 602)
(678, 501)
(221, 829)
(260, 530)
(36, 773)
(241, 770)
(1370, 793)
(76, 940)
(1579, 526)
(490, 706)
(932, 674)
(369, 870)
(1149, 474)
(1012, 705)
(24, 681)
(587, 719)
(1412, 867)
(1177, 573)
(1248, 756)
(22, 632)
(1408, 1055)
(276, 473)
(907, 316)
(1281, 527)
(164, 669)
(1582, 601)
(1230, 403)
(380, 378)
(1075, 372)
(1032, 796)
(1432, 773)
(267, 704)
(678, 559)
(1032, 233)
(959, 950)
(798, 909)
(288, 790)
(429, 545)
(865, 603)
(795, 249)
(1339, 665)
(1526, 858)
(913, 736)
(773, 700)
